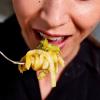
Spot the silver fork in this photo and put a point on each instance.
(12, 61)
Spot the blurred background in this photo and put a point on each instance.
(6, 10)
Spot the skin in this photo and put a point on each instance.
(77, 18)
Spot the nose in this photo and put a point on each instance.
(54, 12)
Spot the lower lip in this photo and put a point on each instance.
(59, 43)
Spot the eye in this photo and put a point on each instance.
(84, 0)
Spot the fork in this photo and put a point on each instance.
(12, 61)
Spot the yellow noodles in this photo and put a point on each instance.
(44, 59)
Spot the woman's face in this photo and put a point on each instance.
(65, 23)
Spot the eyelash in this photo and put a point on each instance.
(83, 0)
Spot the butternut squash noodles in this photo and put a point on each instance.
(45, 58)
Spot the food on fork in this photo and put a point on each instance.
(45, 59)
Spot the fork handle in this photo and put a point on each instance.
(12, 61)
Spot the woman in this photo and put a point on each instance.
(67, 24)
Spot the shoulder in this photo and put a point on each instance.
(11, 40)
(9, 25)
(8, 29)
(91, 55)
(93, 69)
(94, 51)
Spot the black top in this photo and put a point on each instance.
(79, 81)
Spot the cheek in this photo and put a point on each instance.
(25, 9)
(87, 16)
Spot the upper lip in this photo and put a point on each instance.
(51, 34)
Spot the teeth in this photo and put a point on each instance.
(51, 38)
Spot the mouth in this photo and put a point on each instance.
(58, 40)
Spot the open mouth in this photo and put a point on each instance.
(53, 39)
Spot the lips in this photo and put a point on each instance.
(52, 38)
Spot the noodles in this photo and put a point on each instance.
(45, 59)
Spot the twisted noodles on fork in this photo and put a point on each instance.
(45, 59)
